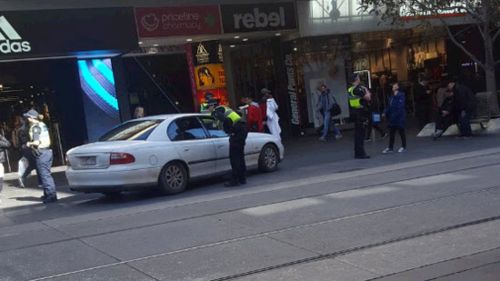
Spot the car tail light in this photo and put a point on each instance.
(121, 158)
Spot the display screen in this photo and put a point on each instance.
(100, 103)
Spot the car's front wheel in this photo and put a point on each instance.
(269, 158)
(173, 178)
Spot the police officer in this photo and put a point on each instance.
(235, 127)
(39, 142)
(209, 101)
(359, 96)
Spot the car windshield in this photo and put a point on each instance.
(133, 130)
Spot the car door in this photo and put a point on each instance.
(221, 143)
(193, 145)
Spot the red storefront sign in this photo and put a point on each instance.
(177, 21)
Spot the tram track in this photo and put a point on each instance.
(357, 249)
(371, 212)
(315, 257)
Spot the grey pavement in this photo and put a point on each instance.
(428, 214)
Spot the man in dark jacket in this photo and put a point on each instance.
(445, 115)
(4, 144)
(23, 138)
(423, 102)
(464, 106)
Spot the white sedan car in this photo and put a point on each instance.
(166, 151)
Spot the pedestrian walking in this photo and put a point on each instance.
(4, 144)
(253, 116)
(464, 106)
(324, 106)
(235, 127)
(359, 97)
(272, 118)
(374, 120)
(396, 114)
(40, 145)
(27, 163)
(423, 102)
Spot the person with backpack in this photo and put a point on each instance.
(396, 114)
(327, 106)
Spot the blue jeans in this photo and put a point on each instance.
(327, 121)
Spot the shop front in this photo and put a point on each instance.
(64, 64)
(257, 52)
(179, 60)
(337, 39)
(230, 50)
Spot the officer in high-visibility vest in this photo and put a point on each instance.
(359, 96)
(39, 142)
(209, 101)
(236, 128)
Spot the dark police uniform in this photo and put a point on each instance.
(39, 133)
(236, 128)
(360, 114)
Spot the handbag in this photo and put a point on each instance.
(376, 117)
(336, 110)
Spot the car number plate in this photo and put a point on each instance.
(89, 161)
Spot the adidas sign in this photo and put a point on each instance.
(10, 41)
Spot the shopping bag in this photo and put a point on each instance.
(23, 164)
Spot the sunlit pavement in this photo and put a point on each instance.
(428, 213)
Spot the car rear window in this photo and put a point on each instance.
(133, 130)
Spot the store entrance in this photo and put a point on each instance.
(51, 87)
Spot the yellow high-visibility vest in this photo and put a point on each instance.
(44, 135)
(354, 101)
(231, 114)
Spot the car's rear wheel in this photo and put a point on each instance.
(173, 178)
(269, 158)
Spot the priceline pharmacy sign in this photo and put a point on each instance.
(258, 17)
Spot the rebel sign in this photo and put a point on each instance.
(258, 17)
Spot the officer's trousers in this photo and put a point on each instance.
(238, 165)
(43, 165)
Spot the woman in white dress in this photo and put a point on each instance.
(272, 117)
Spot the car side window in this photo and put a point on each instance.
(212, 127)
(184, 129)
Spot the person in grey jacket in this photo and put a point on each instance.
(4, 144)
(324, 106)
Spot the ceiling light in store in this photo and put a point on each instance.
(236, 37)
(295, 49)
(156, 45)
(278, 34)
(189, 40)
(245, 39)
(140, 42)
(232, 46)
